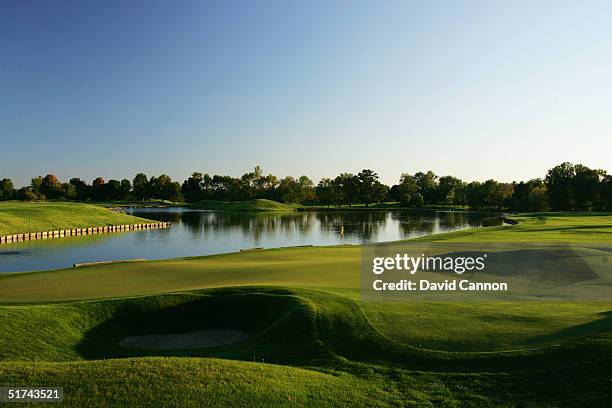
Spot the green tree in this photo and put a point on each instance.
(126, 188)
(83, 191)
(559, 184)
(381, 192)
(113, 190)
(35, 184)
(427, 183)
(537, 200)
(324, 192)
(495, 194)
(51, 187)
(406, 188)
(366, 181)
(166, 189)
(416, 200)
(447, 190)
(268, 186)
(192, 188)
(141, 187)
(347, 186)
(527, 196)
(288, 190)
(26, 194)
(207, 187)
(474, 194)
(163, 181)
(7, 190)
(172, 192)
(306, 190)
(606, 192)
(98, 189)
(337, 193)
(224, 187)
(586, 187)
(69, 191)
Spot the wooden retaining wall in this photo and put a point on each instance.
(28, 236)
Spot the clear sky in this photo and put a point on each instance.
(477, 89)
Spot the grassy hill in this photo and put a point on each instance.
(308, 347)
(195, 382)
(20, 217)
(312, 340)
(250, 205)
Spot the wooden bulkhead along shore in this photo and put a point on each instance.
(28, 236)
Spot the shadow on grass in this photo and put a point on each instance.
(601, 326)
(302, 327)
(276, 323)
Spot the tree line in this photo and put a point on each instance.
(566, 187)
(50, 187)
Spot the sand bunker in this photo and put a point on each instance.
(190, 340)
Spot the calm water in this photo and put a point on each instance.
(196, 232)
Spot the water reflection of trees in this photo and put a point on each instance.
(417, 223)
(363, 225)
(414, 223)
(253, 225)
(350, 225)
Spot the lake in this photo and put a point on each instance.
(196, 232)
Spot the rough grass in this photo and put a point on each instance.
(250, 205)
(197, 382)
(20, 217)
(194, 382)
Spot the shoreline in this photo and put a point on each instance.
(31, 236)
(249, 250)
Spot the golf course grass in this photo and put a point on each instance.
(17, 217)
(312, 340)
(249, 205)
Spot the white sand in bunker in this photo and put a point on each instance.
(190, 340)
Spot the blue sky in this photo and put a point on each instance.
(477, 89)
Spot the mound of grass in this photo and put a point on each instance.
(250, 205)
(195, 382)
(20, 217)
(307, 347)
(275, 320)
(322, 325)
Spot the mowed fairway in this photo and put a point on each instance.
(17, 217)
(311, 342)
(335, 267)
